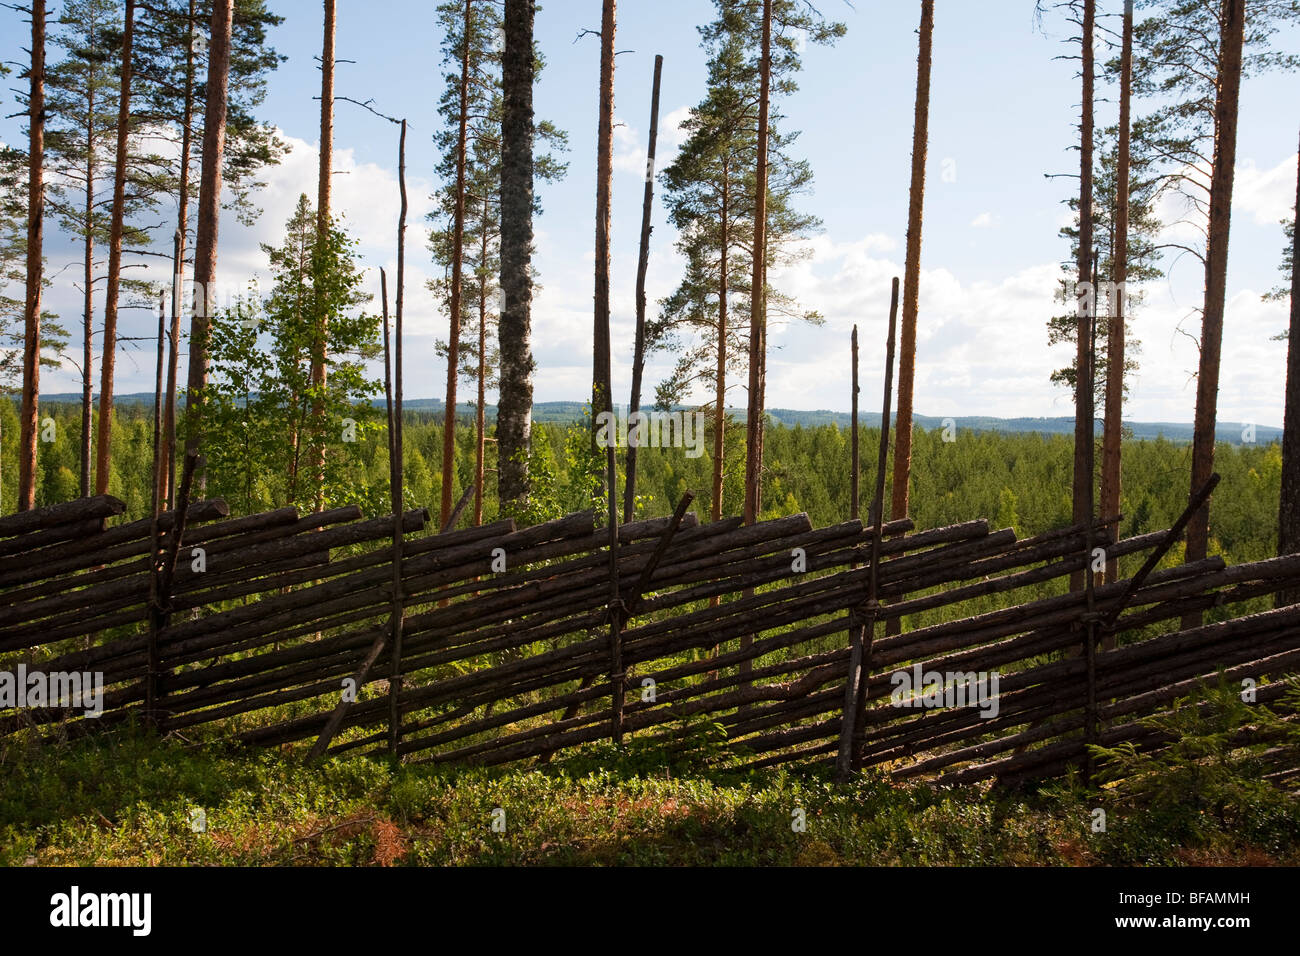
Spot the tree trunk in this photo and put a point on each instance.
(88, 298)
(912, 269)
(1114, 420)
(720, 386)
(1231, 38)
(326, 168)
(205, 242)
(35, 275)
(108, 362)
(1085, 300)
(457, 252)
(757, 296)
(643, 263)
(602, 399)
(1288, 539)
(480, 416)
(178, 260)
(318, 352)
(515, 404)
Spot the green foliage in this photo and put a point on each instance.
(265, 416)
(13, 278)
(170, 58)
(481, 263)
(129, 801)
(1204, 798)
(710, 193)
(1214, 763)
(1283, 292)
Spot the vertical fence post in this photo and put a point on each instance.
(153, 665)
(395, 473)
(862, 629)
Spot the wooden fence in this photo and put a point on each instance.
(508, 645)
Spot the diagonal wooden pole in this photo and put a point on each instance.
(862, 629)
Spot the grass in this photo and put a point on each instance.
(132, 800)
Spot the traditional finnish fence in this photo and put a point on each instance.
(508, 643)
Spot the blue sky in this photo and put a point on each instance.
(1003, 115)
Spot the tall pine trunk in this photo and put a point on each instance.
(602, 399)
(108, 361)
(35, 274)
(178, 265)
(757, 295)
(457, 254)
(1085, 298)
(480, 416)
(88, 297)
(1114, 422)
(205, 242)
(323, 192)
(1231, 39)
(515, 404)
(912, 268)
(720, 384)
(1288, 536)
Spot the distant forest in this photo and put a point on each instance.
(1015, 480)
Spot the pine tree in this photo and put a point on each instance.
(172, 50)
(1190, 58)
(912, 270)
(710, 192)
(33, 252)
(515, 405)
(82, 103)
(215, 114)
(1144, 257)
(776, 24)
(13, 279)
(1289, 501)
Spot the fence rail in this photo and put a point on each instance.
(275, 629)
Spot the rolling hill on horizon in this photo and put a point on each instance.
(562, 412)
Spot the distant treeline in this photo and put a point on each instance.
(1015, 480)
(1232, 433)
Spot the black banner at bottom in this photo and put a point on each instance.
(216, 906)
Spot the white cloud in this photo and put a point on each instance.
(984, 220)
(1268, 195)
(982, 342)
(630, 142)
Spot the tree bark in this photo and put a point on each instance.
(912, 269)
(602, 399)
(108, 361)
(1231, 40)
(326, 171)
(757, 296)
(457, 253)
(178, 258)
(326, 168)
(35, 272)
(1288, 541)
(205, 244)
(1085, 298)
(1114, 420)
(515, 405)
(480, 415)
(720, 385)
(88, 296)
(643, 263)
